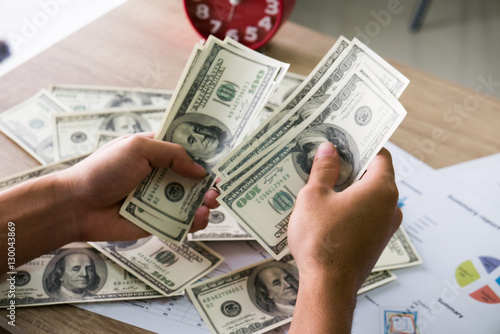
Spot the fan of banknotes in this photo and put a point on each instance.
(241, 116)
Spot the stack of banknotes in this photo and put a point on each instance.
(248, 122)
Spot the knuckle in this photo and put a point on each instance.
(312, 191)
(135, 141)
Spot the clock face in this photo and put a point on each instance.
(250, 22)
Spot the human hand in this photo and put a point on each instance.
(343, 234)
(98, 185)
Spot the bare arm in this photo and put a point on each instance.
(82, 202)
(336, 239)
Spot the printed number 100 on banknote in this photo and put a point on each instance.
(358, 120)
(210, 114)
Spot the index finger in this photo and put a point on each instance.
(164, 154)
(380, 167)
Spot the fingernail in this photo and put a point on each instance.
(200, 169)
(325, 150)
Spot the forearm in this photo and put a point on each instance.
(42, 218)
(325, 304)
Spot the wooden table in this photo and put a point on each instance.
(146, 43)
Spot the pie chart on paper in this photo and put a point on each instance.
(481, 277)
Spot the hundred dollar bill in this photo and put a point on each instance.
(399, 253)
(166, 267)
(104, 137)
(217, 104)
(39, 171)
(356, 57)
(376, 279)
(241, 302)
(81, 98)
(221, 226)
(300, 113)
(358, 120)
(285, 88)
(29, 125)
(76, 133)
(75, 273)
(300, 92)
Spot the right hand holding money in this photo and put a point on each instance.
(362, 218)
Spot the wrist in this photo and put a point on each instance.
(38, 208)
(325, 302)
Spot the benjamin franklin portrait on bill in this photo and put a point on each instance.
(273, 288)
(125, 123)
(205, 138)
(74, 274)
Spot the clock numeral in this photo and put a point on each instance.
(251, 34)
(273, 7)
(265, 23)
(216, 24)
(202, 11)
(233, 33)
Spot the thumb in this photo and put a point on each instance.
(326, 166)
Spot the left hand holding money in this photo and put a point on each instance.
(81, 203)
(100, 183)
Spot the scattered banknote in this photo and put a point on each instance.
(399, 253)
(75, 273)
(212, 109)
(240, 302)
(39, 171)
(104, 137)
(29, 125)
(166, 267)
(80, 98)
(358, 119)
(221, 226)
(77, 133)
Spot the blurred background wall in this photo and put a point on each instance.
(459, 40)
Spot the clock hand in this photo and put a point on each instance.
(233, 3)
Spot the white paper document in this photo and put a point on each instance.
(457, 288)
(480, 176)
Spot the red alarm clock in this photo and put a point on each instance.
(250, 22)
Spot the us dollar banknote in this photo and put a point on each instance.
(285, 88)
(80, 98)
(257, 298)
(77, 133)
(39, 171)
(221, 226)
(29, 125)
(278, 113)
(104, 137)
(358, 120)
(210, 114)
(399, 253)
(166, 267)
(356, 56)
(75, 273)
